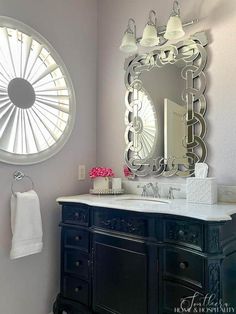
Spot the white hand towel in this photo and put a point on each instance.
(26, 224)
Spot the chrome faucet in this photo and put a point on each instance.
(171, 192)
(155, 189)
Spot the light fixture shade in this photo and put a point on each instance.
(174, 29)
(128, 43)
(150, 38)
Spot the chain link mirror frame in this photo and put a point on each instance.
(193, 53)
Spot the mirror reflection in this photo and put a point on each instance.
(164, 86)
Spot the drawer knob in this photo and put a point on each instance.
(76, 215)
(77, 264)
(77, 238)
(183, 265)
(78, 289)
(181, 233)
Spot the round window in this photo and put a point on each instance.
(37, 99)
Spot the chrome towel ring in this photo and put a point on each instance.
(17, 176)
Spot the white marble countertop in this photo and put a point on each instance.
(216, 212)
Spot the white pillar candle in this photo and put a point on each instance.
(116, 183)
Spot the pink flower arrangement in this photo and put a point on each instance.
(127, 172)
(100, 172)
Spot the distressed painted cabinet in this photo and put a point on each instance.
(121, 262)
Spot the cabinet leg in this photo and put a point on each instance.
(214, 279)
(56, 308)
(60, 308)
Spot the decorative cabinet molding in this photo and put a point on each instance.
(186, 232)
(214, 243)
(76, 215)
(214, 279)
(134, 226)
(154, 258)
(122, 223)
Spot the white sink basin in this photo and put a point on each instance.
(137, 198)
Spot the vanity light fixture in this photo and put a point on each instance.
(152, 34)
(129, 43)
(174, 28)
(150, 38)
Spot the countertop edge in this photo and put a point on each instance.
(226, 210)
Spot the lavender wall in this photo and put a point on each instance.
(218, 18)
(29, 285)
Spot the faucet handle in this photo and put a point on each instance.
(144, 191)
(171, 192)
(157, 190)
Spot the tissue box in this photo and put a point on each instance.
(202, 191)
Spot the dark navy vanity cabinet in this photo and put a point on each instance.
(117, 261)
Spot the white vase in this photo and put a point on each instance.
(101, 183)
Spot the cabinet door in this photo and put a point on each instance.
(120, 275)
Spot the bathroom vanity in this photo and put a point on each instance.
(124, 256)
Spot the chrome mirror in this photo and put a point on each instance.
(165, 129)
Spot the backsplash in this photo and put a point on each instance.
(135, 187)
(226, 193)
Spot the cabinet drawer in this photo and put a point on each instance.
(78, 238)
(76, 262)
(184, 232)
(185, 266)
(77, 214)
(76, 289)
(121, 221)
(173, 295)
